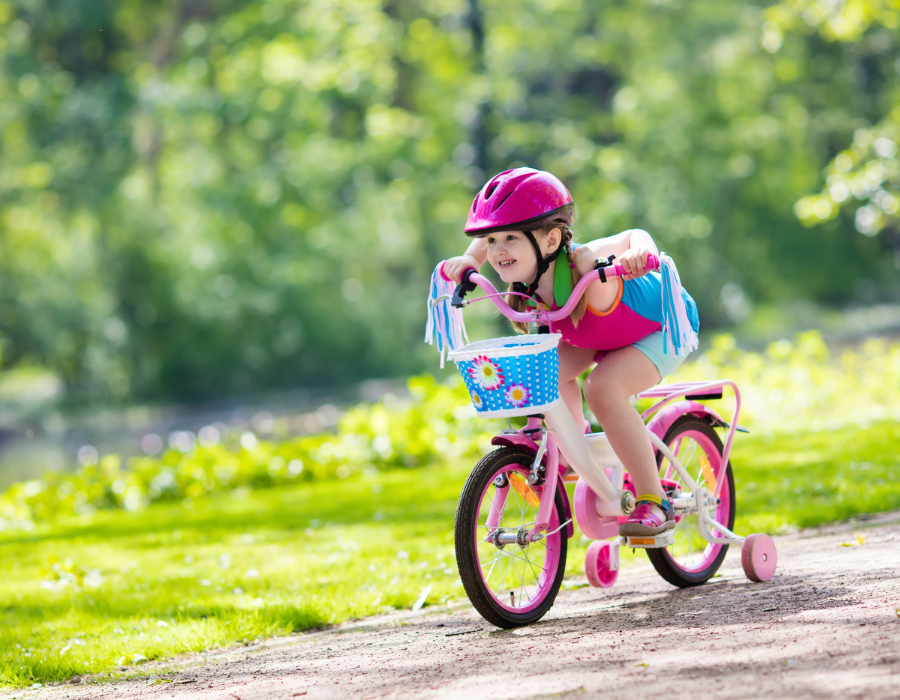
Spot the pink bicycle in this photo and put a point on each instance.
(515, 517)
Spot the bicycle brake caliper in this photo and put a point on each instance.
(535, 476)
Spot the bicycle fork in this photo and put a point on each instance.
(548, 448)
(611, 501)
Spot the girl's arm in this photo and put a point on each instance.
(630, 248)
(475, 256)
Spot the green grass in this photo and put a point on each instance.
(173, 580)
(809, 478)
(79, 595)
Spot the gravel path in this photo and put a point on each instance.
(827, 626)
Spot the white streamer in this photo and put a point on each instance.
(445, 323)
(679, 337)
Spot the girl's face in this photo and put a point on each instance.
(511, 254)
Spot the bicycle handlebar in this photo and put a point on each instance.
(604, 269)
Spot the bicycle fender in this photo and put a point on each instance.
(515, 440)
(662, 421)
(519, 440)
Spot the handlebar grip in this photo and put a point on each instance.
(605, 266)
(463, 288)
(653, 264)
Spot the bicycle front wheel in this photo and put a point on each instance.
(510, 584)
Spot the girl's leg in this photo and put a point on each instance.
(623, 373)
(573, 362)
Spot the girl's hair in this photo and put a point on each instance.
(518, 303)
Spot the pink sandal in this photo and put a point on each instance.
(644, 522)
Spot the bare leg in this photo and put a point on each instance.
(572, 363)
(623, 373)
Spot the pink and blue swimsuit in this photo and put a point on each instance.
(636, 313)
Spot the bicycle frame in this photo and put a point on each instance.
(502, 518)
(566, 445)
(563, 443)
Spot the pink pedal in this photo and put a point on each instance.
(599, 565)
(759, 558)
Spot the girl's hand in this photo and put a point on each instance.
(454, 267)
(634, 260)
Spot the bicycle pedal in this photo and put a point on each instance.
(663, 539)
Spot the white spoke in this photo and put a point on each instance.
(669, 469)
(489, 573)
(522, 583)
(691, 550)
(514, 575)
(509, 561)
(519, 574)
(498, 556)
(537, 576)
(688, 459)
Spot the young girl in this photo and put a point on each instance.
(520, 222)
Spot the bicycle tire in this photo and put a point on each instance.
(681, 565)
(543, 563)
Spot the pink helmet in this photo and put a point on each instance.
(516, 200)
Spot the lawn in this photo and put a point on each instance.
(94, 594)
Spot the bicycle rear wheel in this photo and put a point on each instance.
(692, 560)
(510, 585)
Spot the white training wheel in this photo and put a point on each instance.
(598, 565)
(759, 558)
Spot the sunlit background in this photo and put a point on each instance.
(221, 216)
(218, 220)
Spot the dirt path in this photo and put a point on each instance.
(827, 626)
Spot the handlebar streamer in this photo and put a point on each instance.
(679, 338)
(445, 325)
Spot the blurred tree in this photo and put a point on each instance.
(207, 197)
(868, 170)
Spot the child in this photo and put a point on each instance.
(520, 222)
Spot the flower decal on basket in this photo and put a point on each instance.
(486, 373)
(518, 395)
(476, 398)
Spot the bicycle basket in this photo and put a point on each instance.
(514, 376)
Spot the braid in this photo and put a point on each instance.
(567, 242)
(581, 306)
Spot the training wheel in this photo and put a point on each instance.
(598, 565)
(759, 558)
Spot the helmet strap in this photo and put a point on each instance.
(542, 267)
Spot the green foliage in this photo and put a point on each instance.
(434, 426)
(92, 595)
(800, 385)
(793, 386)
(251, 195)
(356, 531)
(867, 170)
(431, 428)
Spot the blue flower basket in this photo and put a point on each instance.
(516, 376)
